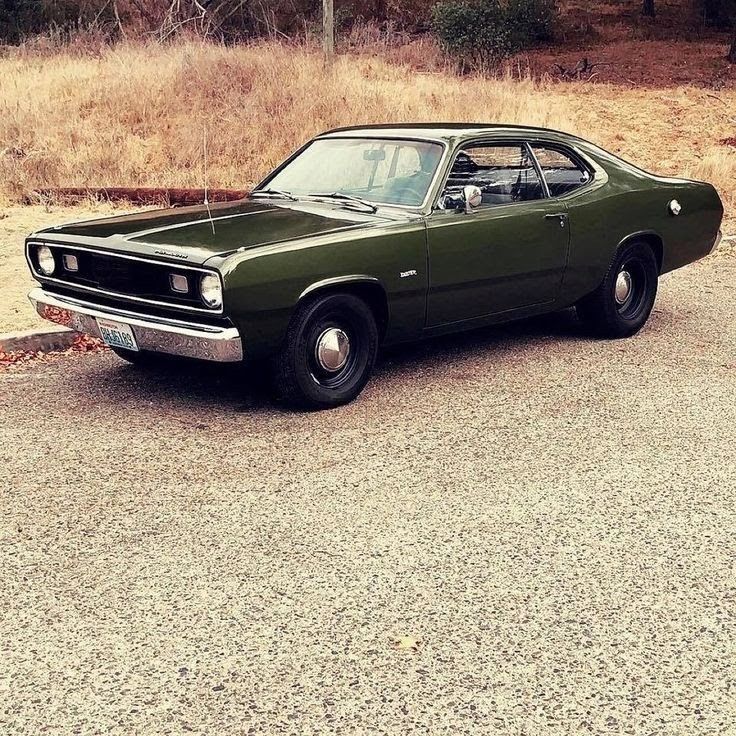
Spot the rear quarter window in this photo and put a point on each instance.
(562, 171)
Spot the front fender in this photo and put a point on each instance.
(337, 281)
(263, 286)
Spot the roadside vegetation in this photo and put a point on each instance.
(134, 114)
(106, 93)
(522, 22)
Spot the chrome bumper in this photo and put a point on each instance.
(157, 334)
(716, 243)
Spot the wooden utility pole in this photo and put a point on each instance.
(328, 28)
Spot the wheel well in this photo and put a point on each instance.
(654, 241)
(372, 294)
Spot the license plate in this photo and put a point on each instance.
(117, 334)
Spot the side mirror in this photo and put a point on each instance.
(472, 196)
(466, 198)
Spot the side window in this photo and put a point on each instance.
(560, 171)
(504, 173)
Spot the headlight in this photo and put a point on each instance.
(45, 258)
(210, 289)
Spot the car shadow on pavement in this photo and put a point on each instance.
(557, 326)
(228, 388)
(235, 388)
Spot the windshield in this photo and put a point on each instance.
(378, 170)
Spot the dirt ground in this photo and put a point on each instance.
(640, 64)
(675, 48)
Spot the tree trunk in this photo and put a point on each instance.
(328, 28)
(648, 8)
(732, 51)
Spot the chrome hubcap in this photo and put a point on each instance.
(333, 349)
(623, 287)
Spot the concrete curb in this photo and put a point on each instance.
(34, 341)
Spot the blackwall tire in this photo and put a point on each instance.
(621, 305)
(328, 354)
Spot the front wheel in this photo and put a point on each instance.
(328, 354)
(622, 303)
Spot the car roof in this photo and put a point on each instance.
(448, 131)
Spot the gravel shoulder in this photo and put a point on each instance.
(553, 517)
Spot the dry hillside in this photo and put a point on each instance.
(134, 115)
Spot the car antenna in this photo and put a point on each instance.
(206, 199)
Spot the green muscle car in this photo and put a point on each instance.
(374, 236)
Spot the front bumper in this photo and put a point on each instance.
(156, 334)
(716, 242)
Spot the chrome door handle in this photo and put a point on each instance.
(561, 216)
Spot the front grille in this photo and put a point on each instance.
(117, 274)
(120, 276)
(138, 308)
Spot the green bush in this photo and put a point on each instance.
(479, 33)
(474, 32)
(531, 21)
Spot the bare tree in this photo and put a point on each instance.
(648, 8)
(328, 28)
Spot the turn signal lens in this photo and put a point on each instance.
(46, 262)
(179, 283)
(210, 289)
(71, 263)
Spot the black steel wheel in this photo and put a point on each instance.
(622, 303)
(328, 354)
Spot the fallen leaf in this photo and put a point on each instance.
(407, 643)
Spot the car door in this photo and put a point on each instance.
(507, 254)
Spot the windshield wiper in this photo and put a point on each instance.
(274, 193)
(347, 198)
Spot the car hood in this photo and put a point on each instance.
(195, 234)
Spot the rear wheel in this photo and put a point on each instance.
(622, 303)
(328, 354)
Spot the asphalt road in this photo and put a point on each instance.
(553, 517)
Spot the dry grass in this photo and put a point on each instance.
(133, 115)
